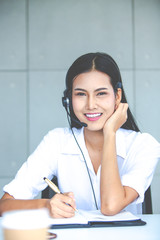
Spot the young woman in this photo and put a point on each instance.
(102, 161)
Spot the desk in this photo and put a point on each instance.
(151, 231)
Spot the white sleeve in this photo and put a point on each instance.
(140, 164)
(42, 163)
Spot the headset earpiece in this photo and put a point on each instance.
(118, 85)
(65, 102)
(65, 99)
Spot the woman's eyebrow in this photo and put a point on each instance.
(100, 89)
(97, 90)
(80, 89)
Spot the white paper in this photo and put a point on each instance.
(83, 217)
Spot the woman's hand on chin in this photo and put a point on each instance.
(117, 119)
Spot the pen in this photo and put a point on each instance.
(55, 188)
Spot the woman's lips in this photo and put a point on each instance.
(93, 116)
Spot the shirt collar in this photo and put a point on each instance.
(71, 146)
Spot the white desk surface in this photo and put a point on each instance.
(150, 231)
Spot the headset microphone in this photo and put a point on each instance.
(82, 124)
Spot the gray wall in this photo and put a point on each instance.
(38, 42)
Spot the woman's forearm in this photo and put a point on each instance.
(9, 203)
(61, 205)
(114, 196)
(112, 191)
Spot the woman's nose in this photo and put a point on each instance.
(91, 102)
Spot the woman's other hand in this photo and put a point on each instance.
(117, 119)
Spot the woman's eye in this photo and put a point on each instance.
(80, 94)
(102, 93)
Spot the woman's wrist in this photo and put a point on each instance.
(109, 134)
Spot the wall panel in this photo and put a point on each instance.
(73, 28)
(46, 110)
(147, 34)
(12, 34)
(147, 101)
(13, 122)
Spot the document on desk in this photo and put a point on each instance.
(87, 219)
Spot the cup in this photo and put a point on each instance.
(26, 224)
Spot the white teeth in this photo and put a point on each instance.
(93, 115)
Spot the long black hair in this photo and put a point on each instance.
(104, 63)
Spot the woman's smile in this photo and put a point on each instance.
(93, 116)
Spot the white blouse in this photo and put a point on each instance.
(58, 154)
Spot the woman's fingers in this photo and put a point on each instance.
(117, 119)
(62, 205)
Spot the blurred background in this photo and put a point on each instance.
(39, 40)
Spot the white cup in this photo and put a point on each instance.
(25, 224)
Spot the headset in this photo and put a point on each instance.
(66, 104)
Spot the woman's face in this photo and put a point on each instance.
(93, 99)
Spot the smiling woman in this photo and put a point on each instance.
(104, 64)
(102, 161)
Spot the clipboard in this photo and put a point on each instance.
(92, 219)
